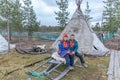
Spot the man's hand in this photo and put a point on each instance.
(68, 51)
(72, 53)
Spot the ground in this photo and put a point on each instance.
(97, 67)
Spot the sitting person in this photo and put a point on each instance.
(73, 49)
(64, 52)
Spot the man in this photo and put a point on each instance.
(73, 49)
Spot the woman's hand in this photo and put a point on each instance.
(72, 53)
(68, 51)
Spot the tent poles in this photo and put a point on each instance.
(8, 24)
(8, 27)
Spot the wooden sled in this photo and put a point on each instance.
(52, 67)
(31, 50)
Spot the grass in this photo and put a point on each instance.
(96, 71)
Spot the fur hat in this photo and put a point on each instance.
(65, 35)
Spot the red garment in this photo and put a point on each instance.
(65, 43)
(71, 43)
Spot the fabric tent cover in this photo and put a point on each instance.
(4, 45)
(85, 36)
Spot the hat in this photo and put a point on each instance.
(65, 35)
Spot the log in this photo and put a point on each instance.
(64, 72)
(116, 69)
(31, 64)
(11, 71)
(111, 66)
(78, 66)
(28, 65)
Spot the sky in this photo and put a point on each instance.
(45, 9)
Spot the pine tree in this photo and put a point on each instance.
(117, 13)
(62, 14)
(6, 8)
(30, 21)
(110, 15)
(87, 12)
(96, 27)
(17, 16)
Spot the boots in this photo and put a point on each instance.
(84, 65)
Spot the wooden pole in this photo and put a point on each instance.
(8, 24)
(8, 35)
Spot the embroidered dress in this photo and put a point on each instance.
(63, 48)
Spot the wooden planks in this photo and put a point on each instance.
(114, 66)
(64, 72)
(110, 69)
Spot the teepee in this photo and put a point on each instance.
(87, 40)
(4, 45)
(3, 41)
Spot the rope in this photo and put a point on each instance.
(36, 74)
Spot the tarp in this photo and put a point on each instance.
(83, 34)
(46, 36)
(98, 48)
(87, 39)
(4, 45)
(110, 35)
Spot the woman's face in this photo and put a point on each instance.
(65, 38)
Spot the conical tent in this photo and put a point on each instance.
(98, 48)
(83, 33)
(4, 45)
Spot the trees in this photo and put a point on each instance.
(96, 27)
(6, 8)
(17, 17)
(30, 23)
(62, 15)
(117, 13)
(87, 12)
(111, 15)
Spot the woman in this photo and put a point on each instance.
(64, 51)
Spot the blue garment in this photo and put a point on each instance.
(63, 50)
(69, 60)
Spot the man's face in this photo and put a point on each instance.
(72, 37)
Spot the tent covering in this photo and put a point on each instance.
(4, 45)
(87, 40)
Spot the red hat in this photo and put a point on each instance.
(65, 35)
